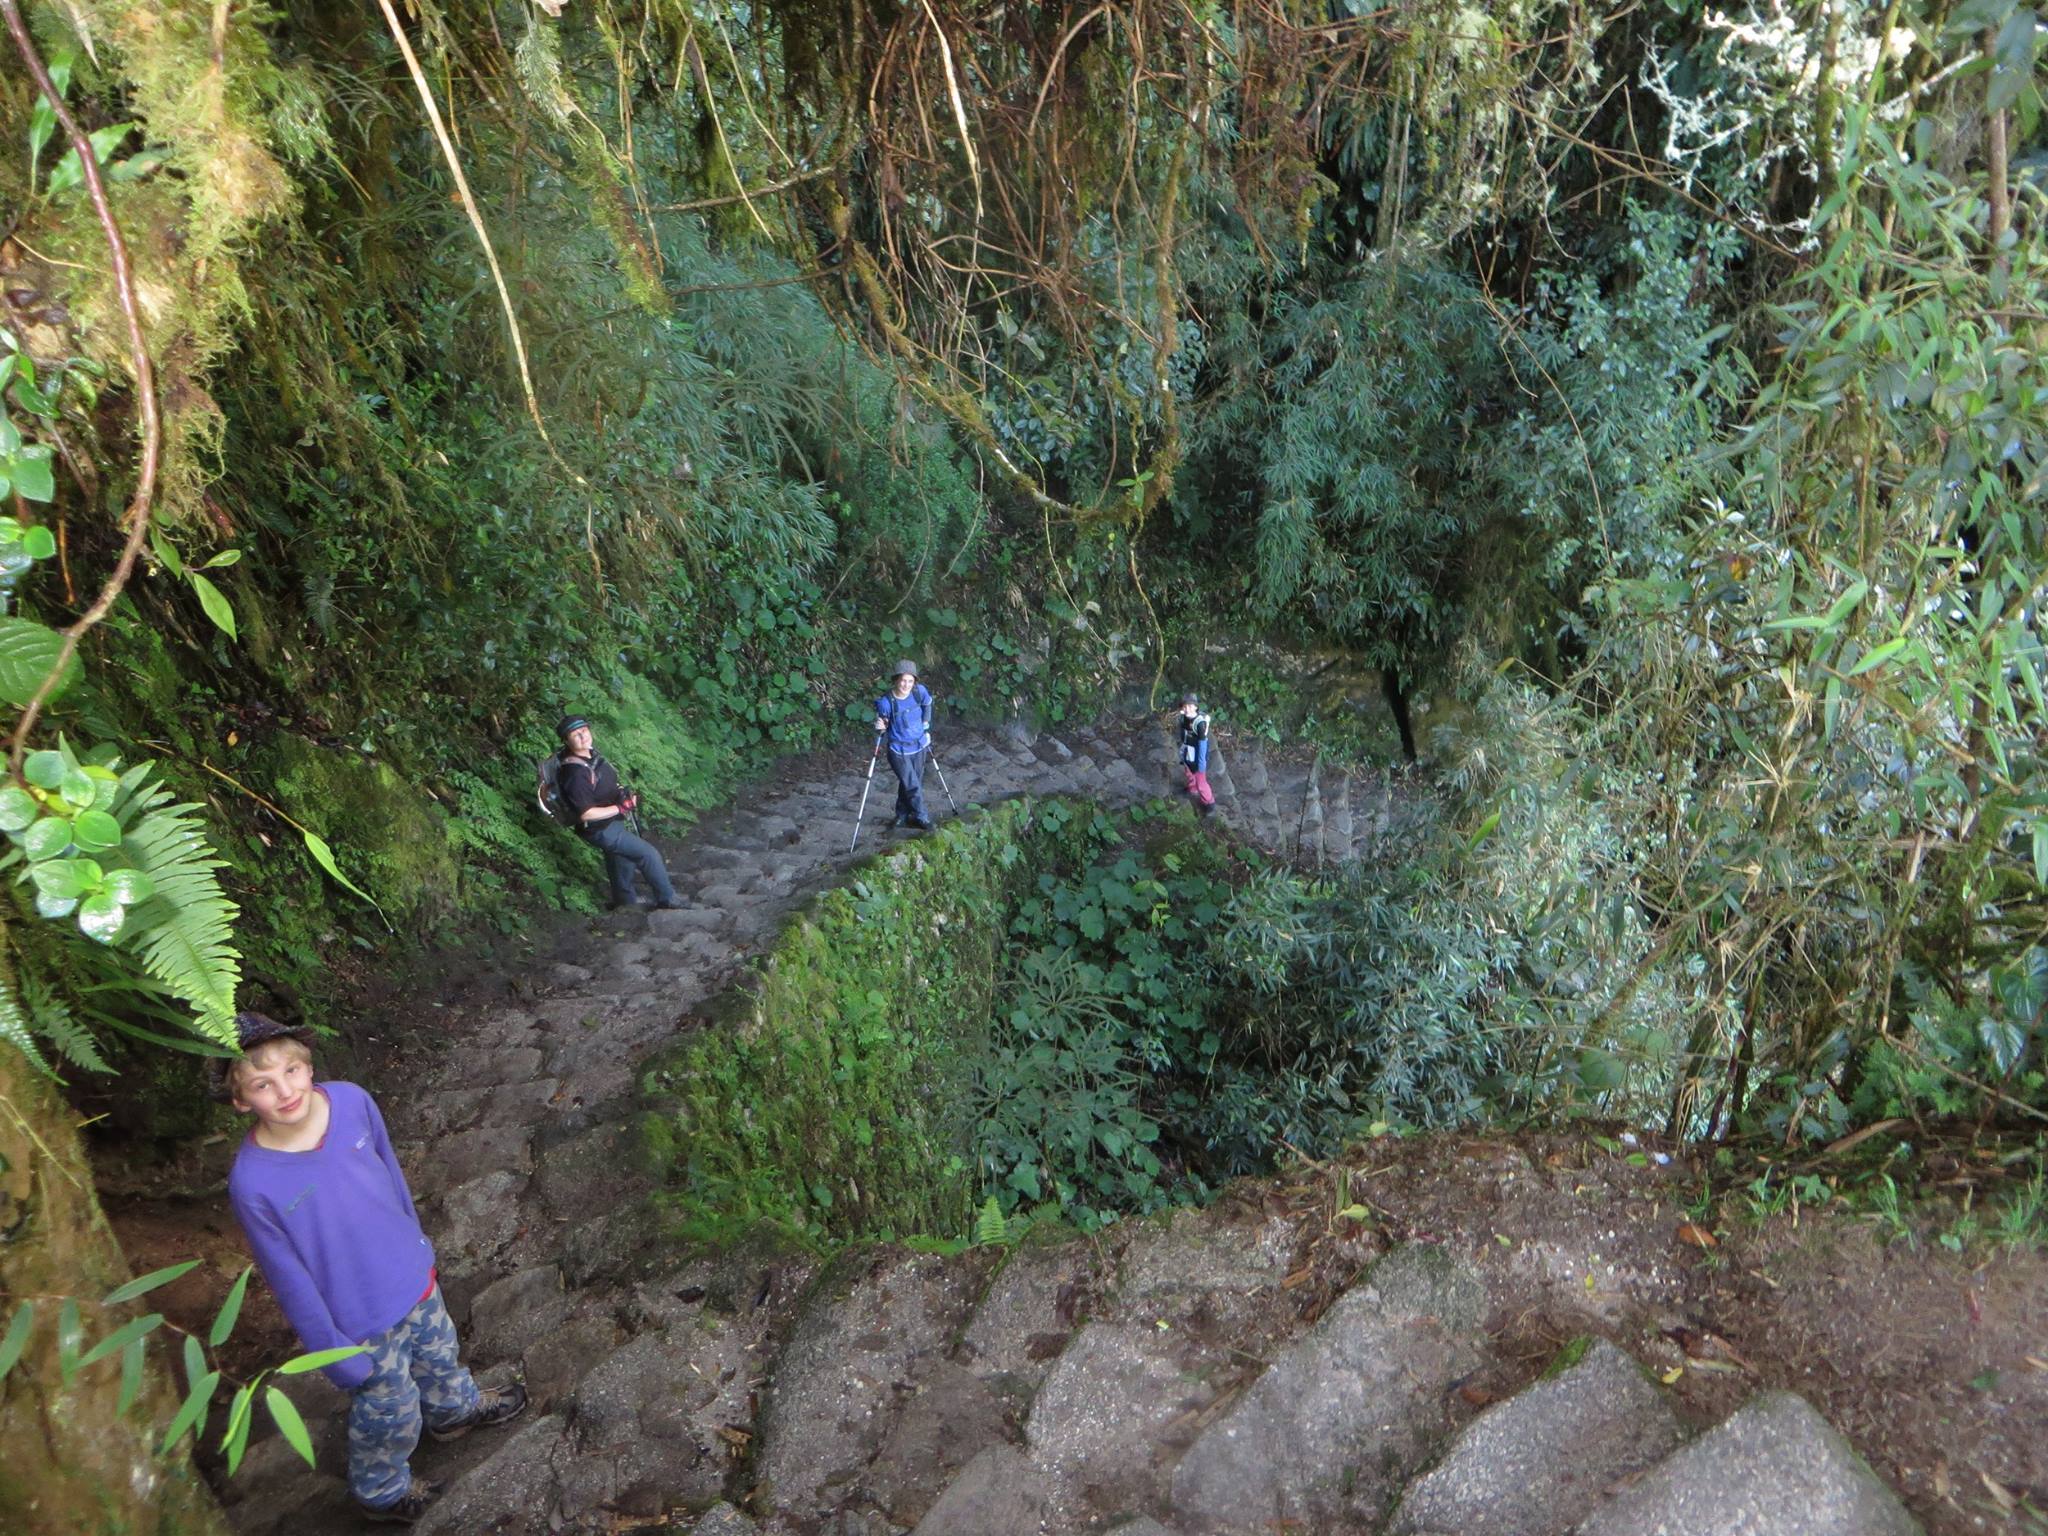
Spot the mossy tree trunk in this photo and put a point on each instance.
(70, 1465)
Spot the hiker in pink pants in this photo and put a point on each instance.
(1194, 753)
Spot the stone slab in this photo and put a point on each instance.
(1773, 1468)
(999, 1493)
(1335, 1425)
(1537, 1463)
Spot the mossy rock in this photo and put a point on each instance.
(376, 821)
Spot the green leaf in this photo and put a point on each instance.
(30, 471)
(289, 1424)
(131, 1376)
(324, 857)
(39, 543)
(28, 653)
(77, 788)
(47, 839)
(18, 808)
(44, 769)
(1877, 656)
(120, 1338)
(1601, 1071)
(17, 1336)
(130, 887)
(195, 1361)
(95, 830)
(225, 557)
(142, 1285)
(105, 141)
(55, 907)
(217, 607)
(70, 1332)
(318, 1360)
(63, 879)
(166, 552)
(191, 1415)
(231, 1309)
(236, 1440)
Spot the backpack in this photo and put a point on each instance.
(923, 697)
(547, 789)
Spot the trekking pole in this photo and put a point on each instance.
(865, 787)
(942, 784)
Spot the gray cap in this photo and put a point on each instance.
(901, 668)
(252, 1030)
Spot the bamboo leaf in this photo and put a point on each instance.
(191, 1415)
(18, 1329)
(142, 1285)
(120, 1338)
(318, 1360)
(288, 1422)
(230, 1310)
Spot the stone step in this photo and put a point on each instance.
(1329, 1433)
(1773, 1468)
(1538, 1463)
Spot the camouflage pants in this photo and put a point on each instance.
(411, 1363)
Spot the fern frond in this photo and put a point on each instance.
(49, 1018)
(184, 934)
(14, 1029)
(991, 1227)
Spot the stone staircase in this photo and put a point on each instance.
(1192, 1377)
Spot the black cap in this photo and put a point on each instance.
(1189, 698)
(252, 1030)
(570, 723)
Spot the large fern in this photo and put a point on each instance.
(184, 934)
(14, 1029)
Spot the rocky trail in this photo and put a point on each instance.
(1296, 1358)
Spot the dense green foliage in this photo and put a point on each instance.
(1710, 412)
(832, 1104)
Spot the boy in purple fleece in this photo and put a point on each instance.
(321, 1199)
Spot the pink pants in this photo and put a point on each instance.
(1198, 786)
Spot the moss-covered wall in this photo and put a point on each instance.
(832, 1104)
(72, 1463)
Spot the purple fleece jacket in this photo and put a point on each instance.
(334, 1231)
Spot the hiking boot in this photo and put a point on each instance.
(667, 906)
(419, 1493)
(900, 821)
(922, 823)
(630, 904)
(494, 1406)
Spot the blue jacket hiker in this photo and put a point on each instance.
(324, 1205)
(904, 715)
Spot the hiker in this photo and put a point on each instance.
(905, 714)
(330, 1221)
(1194, 753)
(591, 795)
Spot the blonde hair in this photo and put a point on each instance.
(249, 1062)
